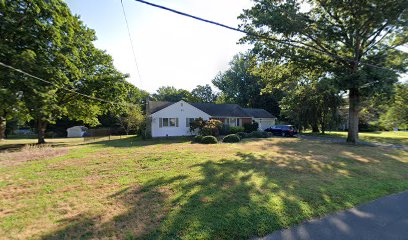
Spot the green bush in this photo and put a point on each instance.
(242, 135)
(251, 127)
(258, 134)
(234, 130)
(232, 138)
(209, 140)
(198, 139)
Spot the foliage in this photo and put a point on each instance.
(205, 128)
(198, 139)
(251, 127)
(396, 115)
(209, 140)
(258, 134)
(212, 127)
(197, 124)
(313, 103)
(171, 94)
(132, 119)
(231, 138)
(203, 94)
(243, 135)
(321, 38)
(235, 129)
(44, 39)
(239, 85)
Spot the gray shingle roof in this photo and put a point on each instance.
(217, 110)
(258, 113)
(221, 110)
(155, 106)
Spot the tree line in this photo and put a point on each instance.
(46, 40)
(315, 67)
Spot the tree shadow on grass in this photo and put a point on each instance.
(245, 196)
(139, 142)
(144, 208)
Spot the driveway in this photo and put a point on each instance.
(384, 218)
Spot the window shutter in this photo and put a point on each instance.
(160, 122)
(187, 122)
(177, 122)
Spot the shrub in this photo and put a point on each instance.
(198, 139)
(232, 138)
(212, 127)
(258, 134)
(242, 135)
(209, 140)
(233, 130)
(251, 127)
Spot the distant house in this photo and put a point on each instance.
(173, 118)
(77, 131)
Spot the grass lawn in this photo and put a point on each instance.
(398, 138)
(170, 188)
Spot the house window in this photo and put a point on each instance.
(168, 122)
(189, 121)
(232, 122)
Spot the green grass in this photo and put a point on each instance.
(172, 189)
(398, 138)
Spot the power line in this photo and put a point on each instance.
(66, 89)
(259, 36)
(131, 42)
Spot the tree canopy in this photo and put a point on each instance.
(46, 40)
(240, 85)
(334, 38)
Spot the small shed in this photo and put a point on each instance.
(76, 131)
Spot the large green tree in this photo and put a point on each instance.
(396, 115)
(203, 94)
(171, 94)
(44, 39)
(240, 85)
(334, 37)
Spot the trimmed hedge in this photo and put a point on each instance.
(232, 138)
(242, 135)
(198, 139)
(209, 140)
(234, 130)
(258, 134)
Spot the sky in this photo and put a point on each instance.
(171, 50)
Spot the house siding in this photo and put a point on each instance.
(181, 110)
(264, 123)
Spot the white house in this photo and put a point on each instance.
(262, 117)
(77, 131)
(173, 118)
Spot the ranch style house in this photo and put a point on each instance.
(174, 118)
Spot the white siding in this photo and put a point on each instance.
(264, 123)
(180, 110)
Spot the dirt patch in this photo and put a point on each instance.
(30, 153)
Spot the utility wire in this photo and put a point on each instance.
(131, 42)
(259, 36)
(66, 89)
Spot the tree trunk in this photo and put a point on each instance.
(2, 128)
(323, 124)
(354, 109)
(42, 126)
(315, 128)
